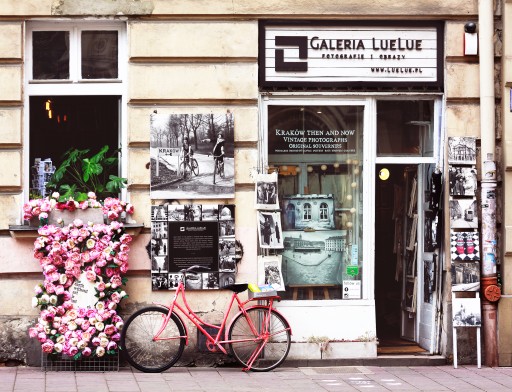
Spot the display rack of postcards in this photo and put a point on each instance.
(410, 241)
(42, 171)
(464, 237)
(270, 232)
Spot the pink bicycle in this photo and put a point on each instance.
(258, 336)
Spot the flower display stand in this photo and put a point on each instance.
(64, 363)
(65, 217)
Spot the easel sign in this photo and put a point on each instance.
(466, 313)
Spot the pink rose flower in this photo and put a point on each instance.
(86, 352)
(47, 346)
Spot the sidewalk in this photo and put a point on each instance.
(284, 379)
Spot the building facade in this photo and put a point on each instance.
(355, 106)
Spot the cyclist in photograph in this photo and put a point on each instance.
(218, 150)
(185, 151)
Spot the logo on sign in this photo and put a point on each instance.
(292, 66)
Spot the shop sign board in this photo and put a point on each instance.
(341, 54)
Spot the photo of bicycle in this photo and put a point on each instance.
(192, 156)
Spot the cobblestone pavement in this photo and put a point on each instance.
(284, 379)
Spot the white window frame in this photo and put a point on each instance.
(75, 86)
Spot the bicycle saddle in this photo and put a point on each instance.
(236, 287)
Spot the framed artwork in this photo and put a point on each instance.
(270, 230)
(465, 276)
(315, 257)
(193, 234)
(182, 151)
(463, 214)
(462, 180)
(266, 191)
(462, 150)
(410, 295)
(465, 246)
(308, 212)
(466, 312)
(270, 272)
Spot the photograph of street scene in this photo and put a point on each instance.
(192, 156)
(314, 258)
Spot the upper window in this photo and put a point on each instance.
(53, 51)
(405, 128)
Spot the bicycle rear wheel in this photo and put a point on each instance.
(272, 326)
(141, 351)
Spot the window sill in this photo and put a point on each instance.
(30, 232)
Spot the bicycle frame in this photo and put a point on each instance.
(199, 323)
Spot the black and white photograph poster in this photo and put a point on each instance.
(466, 276)
(464, 246)
(463, 214)
(193, 234)
(466, 312)
(270, 230)
(192, 156)
(270, 272)
(462, 150)
(463, 181)
(266, 191)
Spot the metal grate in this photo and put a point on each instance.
(336, 370)
(50, 363)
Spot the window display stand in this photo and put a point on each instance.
(478, 345)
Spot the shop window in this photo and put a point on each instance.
(405, 128)
(318, 153)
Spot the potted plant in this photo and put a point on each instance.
(82, 172)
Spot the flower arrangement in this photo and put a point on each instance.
(40, 208)
(98, 252)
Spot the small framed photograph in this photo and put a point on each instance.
(466, 312)
(270, 230)
(463, 214)
(466, 276)
(462, 180)
(462, 150)
(266, 192)
(270, 272)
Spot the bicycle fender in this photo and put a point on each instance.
(226, 330)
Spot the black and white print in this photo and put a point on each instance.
(465, 276)
(463, 181)
(466, 312)
(266, 191)
(462, 150)
(270, 272)
(270, 230)
(463, 214)
(465, 246)
(185, 149)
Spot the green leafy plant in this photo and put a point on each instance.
(82, 172)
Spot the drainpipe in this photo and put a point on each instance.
(490, 289)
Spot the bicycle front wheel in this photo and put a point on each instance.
(185, 171)
(269, 332)
(195, 167)
(141, 351)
